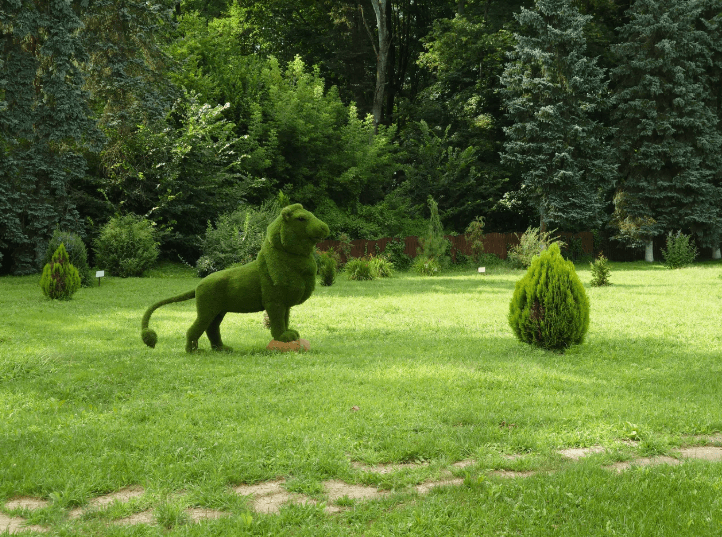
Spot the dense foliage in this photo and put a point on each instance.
(126, 246)
(576, 115)
(680, 251)
(549, 307)
(60, 279)
(76, 250)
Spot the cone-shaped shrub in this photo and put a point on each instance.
(60, 278)
(550, 307)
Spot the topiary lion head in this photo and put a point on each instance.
(296, 230)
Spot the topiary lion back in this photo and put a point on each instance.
(283, 275)
(550, 308)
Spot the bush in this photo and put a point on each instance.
(327, 266)
(358, 268)
(531, 243)
(60, 278)
(381, 267)
(680, 251)
(549, 307)
(77, 253)
(395, 252)
(126, 246)
(475, 237)
(600, 271)
(426, 266)
(369, 268)
(489, 260)
(236, 238)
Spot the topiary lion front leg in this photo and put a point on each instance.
(279, 315)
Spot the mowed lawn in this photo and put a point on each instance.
(408, 369)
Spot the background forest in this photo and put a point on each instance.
(570, 114)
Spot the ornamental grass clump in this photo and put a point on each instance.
(60, 278)
(549, 307)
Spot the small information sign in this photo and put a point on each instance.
(99, 274)
(482, 270)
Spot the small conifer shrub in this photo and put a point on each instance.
(77, 253)
(549, 307)
(680, 251)
(600, 271)
(327, 267)
(60, 278)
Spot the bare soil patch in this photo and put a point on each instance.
(26, 503)
(146, 517)
(269, 497)
(198, 514)
(122, 495)
(707, 453)
(338, 489)
(579, 453)
(387, 468)
(425, 488)
(14, 525)
(645, 461)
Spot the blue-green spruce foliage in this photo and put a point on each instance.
(553, 93)
(45, 126)
(550, 307)
(666, 110)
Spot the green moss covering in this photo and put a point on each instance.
(549, 307)
(283, 275)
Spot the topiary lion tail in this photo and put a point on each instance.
(149, 336)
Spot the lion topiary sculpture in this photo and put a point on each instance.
(282, 276)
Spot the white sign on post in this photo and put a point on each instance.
(482, 270)
(99, 274)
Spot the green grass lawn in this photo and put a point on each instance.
(437, 377)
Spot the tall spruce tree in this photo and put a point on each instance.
(711, 25)
(553, 93)
(668, 136)
(45, 125)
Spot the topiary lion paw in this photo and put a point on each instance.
(288, 335)
(222, 348)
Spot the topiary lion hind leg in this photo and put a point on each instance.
(149, 336)
(214, 334)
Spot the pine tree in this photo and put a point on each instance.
(45, 126)
(668, 136)
(552, 94)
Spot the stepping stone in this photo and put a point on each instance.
(578, 453)
(26, 503)
(15, 525)
(283, 346)
(707, 453)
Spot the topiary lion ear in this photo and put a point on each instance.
(288, 210)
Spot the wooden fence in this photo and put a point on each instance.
(494, 243)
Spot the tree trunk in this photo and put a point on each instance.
(382, 58)
(716, 253)
(649, 251)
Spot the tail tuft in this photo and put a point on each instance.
(149, 336)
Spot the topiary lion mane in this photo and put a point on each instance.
(283, 275)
